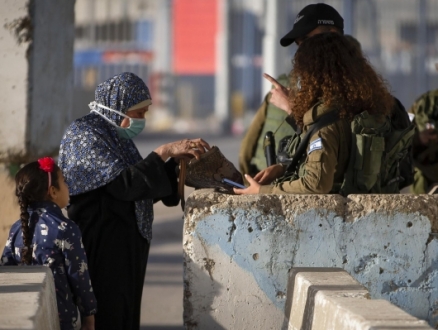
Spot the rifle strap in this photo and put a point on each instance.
(323, 121)
(291, 123)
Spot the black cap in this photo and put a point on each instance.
(309, 18)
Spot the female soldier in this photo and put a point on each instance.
(112, 190)
(329, 74)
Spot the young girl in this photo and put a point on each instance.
(43, 236)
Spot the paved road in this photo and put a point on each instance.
(163, 288)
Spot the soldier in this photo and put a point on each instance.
(323, 81)
(311, 20)
(425, 146)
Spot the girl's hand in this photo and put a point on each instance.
(254, 187)
(269, 174)
(183, 149)
(279, 95)
(87, 323)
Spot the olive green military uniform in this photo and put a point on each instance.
(268, 118)
(425, 110)
(322, 170)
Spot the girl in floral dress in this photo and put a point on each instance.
(43, 236)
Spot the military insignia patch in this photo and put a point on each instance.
(315, 145)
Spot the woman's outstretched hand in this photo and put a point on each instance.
(183, 149)
(279, 94)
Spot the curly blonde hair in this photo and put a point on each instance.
(328, 68)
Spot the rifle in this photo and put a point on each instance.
(269, 148)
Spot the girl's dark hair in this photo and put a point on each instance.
(32, 185)
(329, 68)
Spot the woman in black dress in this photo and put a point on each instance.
(112, 191)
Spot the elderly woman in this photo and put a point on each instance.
(112, 192)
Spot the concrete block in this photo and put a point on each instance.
(239, 250)
(330, 299)
(28, 298)
(337, 312)
(305, 283)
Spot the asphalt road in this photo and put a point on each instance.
(162, 304)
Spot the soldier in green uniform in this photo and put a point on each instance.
(329, 74)
(425, 144)
(311, 20)
(267, 118)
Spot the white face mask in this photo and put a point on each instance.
(136, 125)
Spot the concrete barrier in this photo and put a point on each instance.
(28, 298)
(239, 249)
(36, 71)
(330, 299)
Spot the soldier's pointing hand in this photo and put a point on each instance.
(279, 94)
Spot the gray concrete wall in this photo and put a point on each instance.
(36, 73)
(238, 251)
(28, 298)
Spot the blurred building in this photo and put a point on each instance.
(174, 46)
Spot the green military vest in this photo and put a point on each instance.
(290, 149)
(374, 162)
(274, 118)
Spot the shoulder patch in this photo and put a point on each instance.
(315, 145)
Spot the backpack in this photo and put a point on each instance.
(381, 158)
(381, 154)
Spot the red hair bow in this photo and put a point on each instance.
(46, 164)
